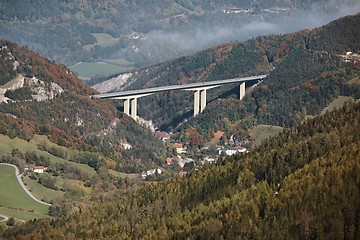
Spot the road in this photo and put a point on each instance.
(177, 87)
(5, 217)
(18, 176)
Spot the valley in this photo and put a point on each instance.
(276, 158)
(146, 34)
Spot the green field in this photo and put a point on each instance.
(41, 192)
(262, 132)
(7, 145)
(88, 70)
(134, 178)
(337, 103)
(22, 215)
(102, 40)
(105, 67)
(13, 197)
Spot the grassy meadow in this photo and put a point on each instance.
(21, 214)
(336, 104)
(41, 192)
(102, 40)
(13, 197)
(131, 177)
(7, 145)
(261, 132)
(105, 67)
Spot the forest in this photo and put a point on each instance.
(303, 78)
(38, 24)
(72, 119)
(301, 184)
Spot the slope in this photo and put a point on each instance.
(304, 183)
(48, 99)
(148, 33)
(302, 80)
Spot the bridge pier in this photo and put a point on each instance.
(200, 99)
(130, 104)
(196, 102)
(131, 96)
(127, 106)
(203, 100)
(242, 90)
(134, 108)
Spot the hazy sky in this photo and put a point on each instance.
(201, 38)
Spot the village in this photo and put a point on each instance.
(180, 161)
(184, 160)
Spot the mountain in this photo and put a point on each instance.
(145, 33)
(307, 70)
(302, 184)
(40, 97)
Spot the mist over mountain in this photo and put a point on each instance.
(159, 42)
(144, 33)
(307, 70)
(301, 184)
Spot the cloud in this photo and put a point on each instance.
(163, 45)
(199, 38)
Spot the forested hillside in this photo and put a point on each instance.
(302, 184)
(303, 78)
(69, 117)
(144, 32)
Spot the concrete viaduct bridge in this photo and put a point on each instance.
(131, 96)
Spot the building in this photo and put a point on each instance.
(209, 160)
(162, 135)
(179, 148)
(232, 151)
(151, 172)
(169, 161)
(39, 169)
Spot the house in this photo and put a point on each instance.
(162, 135)
(179, 148)
(169, 161)
(209, 160)
(143, 175)
(39, 169)
(151, 172)
(236, 10)
(232, 151)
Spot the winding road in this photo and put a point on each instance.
(18, 176)
(5, 217)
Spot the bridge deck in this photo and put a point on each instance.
(177, 87)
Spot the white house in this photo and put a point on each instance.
(151, 172)
(232, 151)
(39, 169)
(209, 160)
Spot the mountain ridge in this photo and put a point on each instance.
(71, 118)
(36, 24)
(275, 55)
(275, 191)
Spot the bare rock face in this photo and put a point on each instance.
(113, 83)
(43, 91)
(40, 90)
